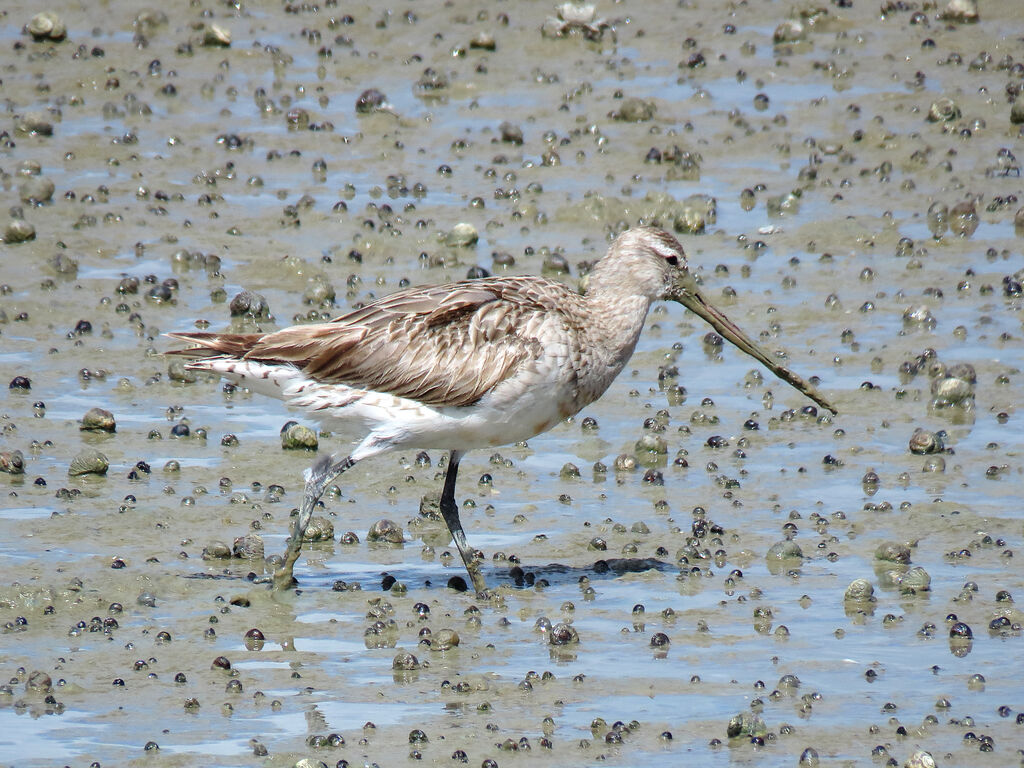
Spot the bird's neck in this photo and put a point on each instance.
(617, 318)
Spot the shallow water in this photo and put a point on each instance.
(317, 673)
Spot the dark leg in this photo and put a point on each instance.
(450, 512)
(319, 475)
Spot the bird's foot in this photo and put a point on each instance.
(284, 576)
(283, 580)
(317, 478)
(477, 577)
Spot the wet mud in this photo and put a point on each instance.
(675, 567)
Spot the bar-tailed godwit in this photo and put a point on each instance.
(473, 364)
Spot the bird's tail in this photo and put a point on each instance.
(206, 344)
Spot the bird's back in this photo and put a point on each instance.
(447, 345)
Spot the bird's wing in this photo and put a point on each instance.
(441, 345)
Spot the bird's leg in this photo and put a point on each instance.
(450, 512)
(317, 478)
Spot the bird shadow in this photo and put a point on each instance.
(550, 575)
(515, 577)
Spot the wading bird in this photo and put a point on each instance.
(472, 364)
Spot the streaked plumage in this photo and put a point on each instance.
(472, 364)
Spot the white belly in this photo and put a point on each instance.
(507, 415)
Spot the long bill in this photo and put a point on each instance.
(687, 294)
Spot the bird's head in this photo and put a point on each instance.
(661, 260)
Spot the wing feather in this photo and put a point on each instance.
(441, 345)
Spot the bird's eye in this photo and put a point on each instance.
(673, 260)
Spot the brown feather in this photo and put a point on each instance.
(214, 344)
(423, 344)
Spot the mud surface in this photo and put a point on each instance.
(157, 173)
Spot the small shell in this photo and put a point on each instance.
(746, 724)
(36, 190)
(444, 640)
(651, 445)
(576, 13)
(860, 590)
(34, 124)
(951, 391)
(299, 437)
(965, 12)
(249, 546)
(19, 231)
(12, 462)
(893, 552)
(47, 26)
(625, 463)
(963, 219)
(920, 759)
(89, 462)
(563, 634)
(249, 304)
(917, 579)
(511, 133)
(39, 682)
(924, 441)
(784, 550)
(98, 420)
(217, 550)
(634, 110)
(432, 82)
(789, 31)
(462, 235)
(319, 529)
(216, 35)
(178, 370)
(943, 110)
(405, 662)
(386, 531)
(483, 41)
(371, 100)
